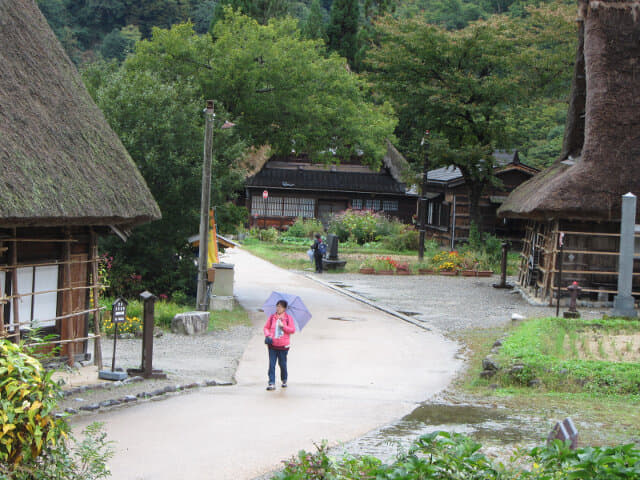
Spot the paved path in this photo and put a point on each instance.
(352, 369)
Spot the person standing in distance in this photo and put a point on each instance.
(319, 249)
(276, 332)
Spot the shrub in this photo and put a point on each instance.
(408, 240)
(28, 398)
(304, 228)
(361, 226)
(447, 456)
(264, 234)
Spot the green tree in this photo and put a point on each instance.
(314, 27)
(159, 121)
(342, 31)
(291, 96)
(116, 45)
(459, 85)
(260, 10)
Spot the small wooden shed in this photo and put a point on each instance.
(65, 178)
(579, 196)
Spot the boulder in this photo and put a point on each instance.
(190, 323)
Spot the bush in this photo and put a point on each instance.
(264, 234)
(447, 456)
(362, 226)
(26, 407)
(34, 443)
(408, 240)
(304, 228)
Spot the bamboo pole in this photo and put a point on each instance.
(97, 345)
(56, 290)
(68, 316)
(63, 342)
(46, 264)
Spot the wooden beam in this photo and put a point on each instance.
(97, 344)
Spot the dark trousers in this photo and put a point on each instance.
(318, 259)
(281, 357)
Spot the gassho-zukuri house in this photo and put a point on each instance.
(579, 196)
(285, 188)
(66, 179)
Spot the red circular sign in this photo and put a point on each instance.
(265, 194)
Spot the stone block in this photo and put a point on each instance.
(219, 302)
(190, 323)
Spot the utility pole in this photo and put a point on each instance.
(205, 200)
(423, 196)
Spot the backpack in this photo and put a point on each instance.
(322, 248)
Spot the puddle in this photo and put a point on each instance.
(497, 429)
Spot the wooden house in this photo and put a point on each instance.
(448, 218)
(578, 198)
(284, 189)
(65, 178)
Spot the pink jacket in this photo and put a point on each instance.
(288, 327)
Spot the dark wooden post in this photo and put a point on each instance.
(148, 324)
(503, 268)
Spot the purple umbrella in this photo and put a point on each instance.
(295, 308)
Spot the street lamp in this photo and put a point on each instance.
(205, 201)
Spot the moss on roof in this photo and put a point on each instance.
(61, 162)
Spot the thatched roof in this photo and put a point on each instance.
(61, 162)
(587, 183)
(397, 165)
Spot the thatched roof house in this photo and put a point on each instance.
(65, 178)
(588, 179)
(61, 162)
(580, 194)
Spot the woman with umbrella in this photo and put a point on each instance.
(277, 329)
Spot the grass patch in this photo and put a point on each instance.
(225, 319)
(291, 254)
(573, 355)
(602, 418)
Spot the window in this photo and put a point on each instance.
(39, 308)
(390, 205)
(356, 204)
(282, 206)
(373, 205)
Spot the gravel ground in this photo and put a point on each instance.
(213, 356)
(447, 304)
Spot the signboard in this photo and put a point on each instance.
(119, 310)
(265, 194)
